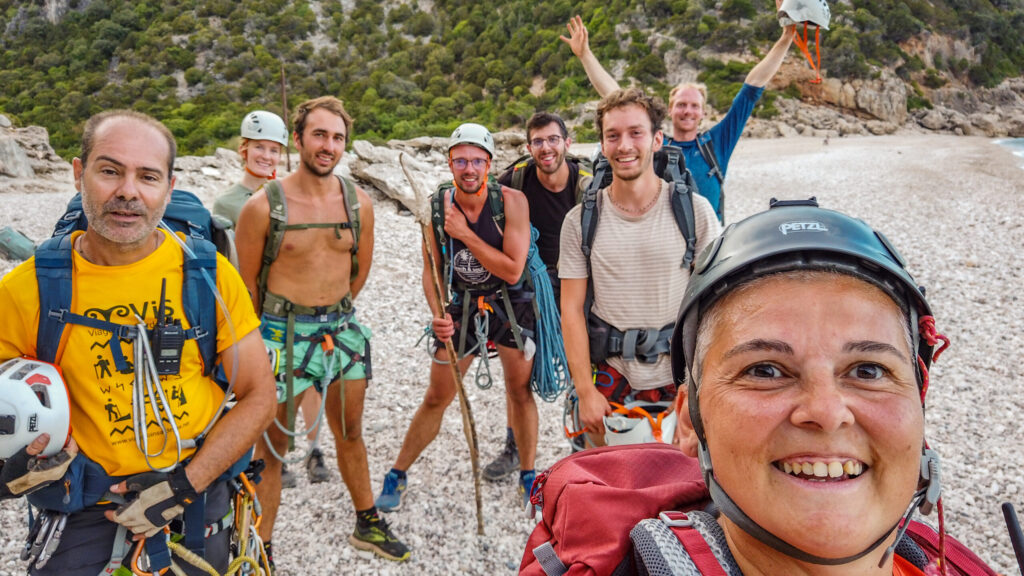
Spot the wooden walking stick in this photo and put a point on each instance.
(468, 424)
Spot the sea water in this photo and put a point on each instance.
(1016, 145)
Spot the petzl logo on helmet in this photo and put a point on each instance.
(33, 423)
(788, 227)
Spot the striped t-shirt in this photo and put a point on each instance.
(638, 275)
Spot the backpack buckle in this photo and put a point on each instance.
(676, 519)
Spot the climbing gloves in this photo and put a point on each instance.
(154, 499)
(21, 474)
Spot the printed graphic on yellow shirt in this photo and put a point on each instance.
(100, 366)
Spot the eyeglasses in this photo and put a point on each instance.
(462, 163)
(551, 140)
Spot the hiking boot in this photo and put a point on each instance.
(525, 485)
(315, 468)
(375, 536)
(392, 493)
(288, 479)
(504, 464)
(269, 551)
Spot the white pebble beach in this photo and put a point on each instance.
(951, 205)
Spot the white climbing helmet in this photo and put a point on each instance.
(800, 11)
(33, 400)
(473, 134)
(640, 423)
(263, 125)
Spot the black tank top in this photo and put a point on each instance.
(465, 267)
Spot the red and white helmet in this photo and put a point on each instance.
(640, 423)
(33, 400)
(804, 11)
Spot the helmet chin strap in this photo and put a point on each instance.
(924, 498)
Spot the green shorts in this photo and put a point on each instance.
(311, 365)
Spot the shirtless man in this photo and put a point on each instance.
(305, 295)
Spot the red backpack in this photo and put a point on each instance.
(591, 499)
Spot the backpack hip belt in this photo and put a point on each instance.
(644, 345)
(86, 484)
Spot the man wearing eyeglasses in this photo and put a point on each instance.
(553, 182)
(481, 235)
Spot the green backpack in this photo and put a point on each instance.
(279, 225)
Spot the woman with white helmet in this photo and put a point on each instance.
(264, 136)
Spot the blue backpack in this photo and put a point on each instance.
(185, 214)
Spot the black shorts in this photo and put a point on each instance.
(499, 329)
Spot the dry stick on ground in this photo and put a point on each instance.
(468, 424)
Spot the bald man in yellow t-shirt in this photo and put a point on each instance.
(120, 265)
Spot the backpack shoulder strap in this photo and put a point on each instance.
(53, 274)
(591, 200)
(519, 168)
(348, 190)
(682, 202)
(707, 151)
(199, 280)
(275, 232)
(497, 202)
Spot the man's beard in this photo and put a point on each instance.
(124, 235)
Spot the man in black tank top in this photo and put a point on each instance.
(481, 259)
(550, 180)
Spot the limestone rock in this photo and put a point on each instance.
(13, 161)
(933, 120)
(885, 99)
(1015, 126)
(5, 122)
(879, 128)
(988, 123)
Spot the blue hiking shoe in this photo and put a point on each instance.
(391, 494)
(525, 485)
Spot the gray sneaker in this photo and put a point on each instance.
(288, 479)
(315, 467)
(506, 463)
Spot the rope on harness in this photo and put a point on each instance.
(550, 375)
(324, 383)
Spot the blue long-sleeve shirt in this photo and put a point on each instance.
(723, 138)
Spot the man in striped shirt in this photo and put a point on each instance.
(634, 265)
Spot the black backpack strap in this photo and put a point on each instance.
(682, 200)
(707, 151)
(589, 216)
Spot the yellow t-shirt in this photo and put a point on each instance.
(101, 397)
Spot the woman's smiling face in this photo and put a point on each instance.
(811, 409)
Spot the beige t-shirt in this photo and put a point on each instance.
(638, 275)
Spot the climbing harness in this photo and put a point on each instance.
(329, 341)
(550, 374)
